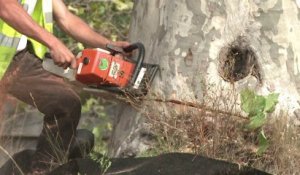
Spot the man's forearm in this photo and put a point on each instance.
(14, 15)
(80, 31)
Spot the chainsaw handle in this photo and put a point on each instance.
(140, 58)
(114, 49)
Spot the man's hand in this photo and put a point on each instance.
(121, 44)
(62, 56)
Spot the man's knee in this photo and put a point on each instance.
(66, 104)
(71, 103)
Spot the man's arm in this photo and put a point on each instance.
(13, 14)
(78, 29)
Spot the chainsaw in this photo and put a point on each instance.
(101, 69)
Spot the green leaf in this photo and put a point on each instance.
(80, 46)
(263, 143)
(252, 103)
(80, 11)
(271, 101)
(257, 121)
(97, 131)
(122, 5)
(88, 105)
(73, 9)
(102, 10)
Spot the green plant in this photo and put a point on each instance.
(97, 121)
(257, 107)
(102, 159)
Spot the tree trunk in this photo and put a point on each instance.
(216, 48)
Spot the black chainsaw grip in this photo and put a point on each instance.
(140, 58)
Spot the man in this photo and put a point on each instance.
(25, 37)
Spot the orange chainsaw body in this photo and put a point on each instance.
(112, 71)
(97, 67)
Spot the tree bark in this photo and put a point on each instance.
(192, 41)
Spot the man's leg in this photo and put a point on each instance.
(2, 100)
(29, 82)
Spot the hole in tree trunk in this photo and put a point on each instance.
(237, 61)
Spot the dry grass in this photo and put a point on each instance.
(216, 129)
(10, 157)
(283, 156)
(11, 144)
(4, 150)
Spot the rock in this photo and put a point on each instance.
(83, 145)
(79, 166)
(178, 164)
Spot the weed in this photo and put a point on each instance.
(257, 107)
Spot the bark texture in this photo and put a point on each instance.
(187, 38)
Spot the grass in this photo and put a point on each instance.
(5, 151)
(58, 156)
(10, 157)
(216, 128)
(102, 159)
(284, 155)
(14, 142)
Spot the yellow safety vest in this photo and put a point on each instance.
(10, 38)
